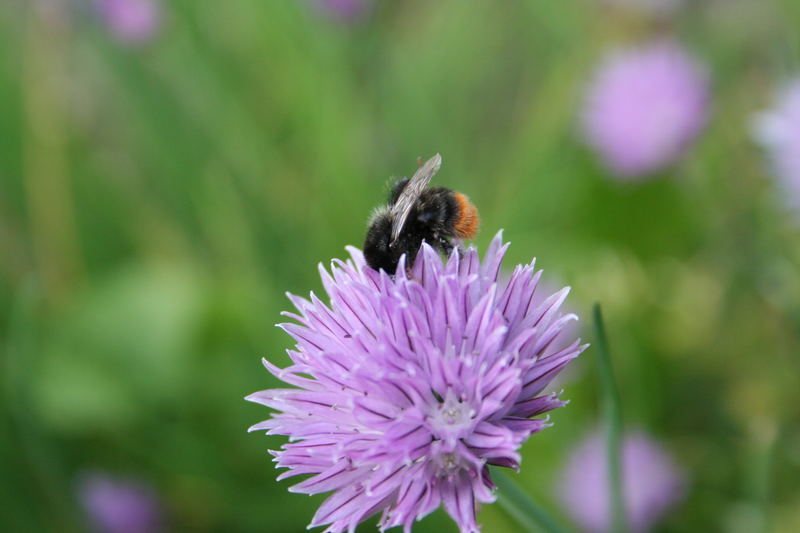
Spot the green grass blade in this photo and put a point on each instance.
(613, 420)
(522, 508)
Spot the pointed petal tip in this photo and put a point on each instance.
(356, 255)
(250, 398)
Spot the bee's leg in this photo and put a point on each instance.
(459, 245)
(449, 246)
(445, 246)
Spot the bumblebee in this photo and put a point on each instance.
(414, 214)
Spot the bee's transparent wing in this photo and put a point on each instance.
(417, 183)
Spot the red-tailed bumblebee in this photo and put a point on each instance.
(415, 213)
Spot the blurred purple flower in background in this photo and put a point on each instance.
(778, 130)
(644, 107)
(409, 387)
(133, 21)
(343, 10)
(652, 483)
(119, 505)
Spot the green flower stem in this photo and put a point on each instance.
(761, 464)
(522, 508)
(613, 416)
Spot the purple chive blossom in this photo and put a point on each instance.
(133, 21)
(407, 388)
(651, 483)
(778, 130)
(118, 505)
(343, 10)
(644, 107)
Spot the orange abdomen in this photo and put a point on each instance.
(466, 226)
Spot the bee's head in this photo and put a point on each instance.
(378, 249)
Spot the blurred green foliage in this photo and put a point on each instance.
(157, 200)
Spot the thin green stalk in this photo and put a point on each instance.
(762, 464)
(522, 508)
(613, 422)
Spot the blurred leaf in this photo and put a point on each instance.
(121, 350)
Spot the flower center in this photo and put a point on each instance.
(450, 462)
(452, 418)
(454, 415)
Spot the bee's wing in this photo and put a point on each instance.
(402, 207)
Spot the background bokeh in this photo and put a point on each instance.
(164, 181)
